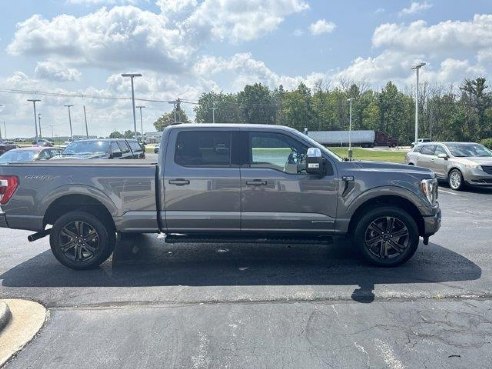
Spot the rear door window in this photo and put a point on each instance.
(428, 149)
(203, 148)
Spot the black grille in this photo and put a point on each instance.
(487, 169)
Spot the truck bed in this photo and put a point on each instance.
(127, 188)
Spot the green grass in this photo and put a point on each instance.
(370, 154)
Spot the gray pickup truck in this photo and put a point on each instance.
(222, 182)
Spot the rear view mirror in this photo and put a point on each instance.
(315, 163)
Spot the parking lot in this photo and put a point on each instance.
(260, 305)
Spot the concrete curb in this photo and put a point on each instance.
(5, 315)
(26, 319)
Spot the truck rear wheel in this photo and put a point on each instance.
(386, 236)
(79, 240)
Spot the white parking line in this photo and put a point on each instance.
(451, 193)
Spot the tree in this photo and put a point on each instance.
(257, 105)
(129, 134)
(176, 115)
(226, 108)
(297, 110)
(116, 134)
(476, 101)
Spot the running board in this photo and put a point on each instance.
(193, 238)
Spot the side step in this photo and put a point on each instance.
(195, 238)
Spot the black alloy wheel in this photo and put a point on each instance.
(386, 236)
(79, 240)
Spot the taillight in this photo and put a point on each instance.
(8, 185)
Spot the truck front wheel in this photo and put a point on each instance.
(79, 240)
(386, 236)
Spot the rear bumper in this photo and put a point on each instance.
(432, 223)
(3, 220)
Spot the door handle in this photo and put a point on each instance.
(256, 182)
(179, 182)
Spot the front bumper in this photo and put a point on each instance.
(432, 223)
(477, 177)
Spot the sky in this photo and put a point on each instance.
(74, 52)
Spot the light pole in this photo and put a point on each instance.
(39, 123)
(141, 121)
(70, 119)
(417, 67)
(132, 76)
(213, 112)
(86, 128)
(350, 128)
(34, 101)
(5, 128)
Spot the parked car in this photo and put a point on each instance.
(29, 154)
(43, 142)
(137, 149)
(6, 146)
(458, 163)
(419, 141)
(156, 148)
(105, 148)
(223, 183)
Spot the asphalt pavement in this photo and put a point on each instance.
(254, 305)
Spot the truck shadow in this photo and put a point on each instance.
(145, 260)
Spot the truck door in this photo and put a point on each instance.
(277, 194)
(201, 185)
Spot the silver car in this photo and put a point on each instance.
(458, 163)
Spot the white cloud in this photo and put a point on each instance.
(175, 6)
(386, 66)
(448, 36)
(322, 26)
(414, 8)
(56, 71)
(127, 37)
(239, 20)
(101, 2)
(244, 69)
(118, 38)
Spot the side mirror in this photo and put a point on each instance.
(443, 156)
(117, 154)
(315, 163)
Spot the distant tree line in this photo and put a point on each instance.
(445, 113)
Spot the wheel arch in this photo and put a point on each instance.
(388, 200)
(73, 202)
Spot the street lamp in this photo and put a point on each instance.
(141, 121)
(132, 76)
(39, 123)
(350, 129)
(34, 101)
(86, 128)
(70, 119)
(417, 67)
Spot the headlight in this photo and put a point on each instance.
(429, 188)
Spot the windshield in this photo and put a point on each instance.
(17, 156)
(87, 147)
(466, 150)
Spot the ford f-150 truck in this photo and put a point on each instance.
(222, 182)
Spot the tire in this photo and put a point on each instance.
(380, 248)
(455, 180)
(80, 241)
